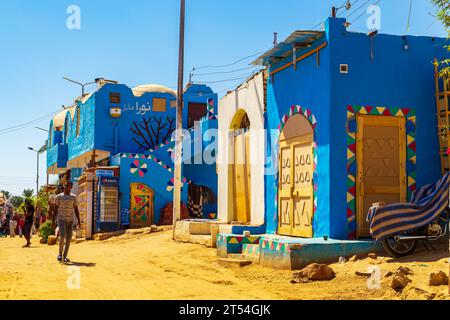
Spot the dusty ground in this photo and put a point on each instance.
(154, 267)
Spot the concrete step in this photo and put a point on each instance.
(251, 251)
(237, 260)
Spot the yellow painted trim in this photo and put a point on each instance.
(306, 55)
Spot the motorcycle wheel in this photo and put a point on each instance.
(398, 249)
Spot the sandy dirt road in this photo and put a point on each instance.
(154, 267)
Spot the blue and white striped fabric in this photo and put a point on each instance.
(426, 205)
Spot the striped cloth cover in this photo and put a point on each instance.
(427, 204)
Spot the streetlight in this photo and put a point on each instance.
(83, 85)
(37, 170)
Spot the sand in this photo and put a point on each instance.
(154, 267)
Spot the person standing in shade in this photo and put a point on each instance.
(65, 205)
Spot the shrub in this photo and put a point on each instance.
(46, 230)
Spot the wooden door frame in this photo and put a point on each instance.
(291, 231)
(379, 120)
(152, 209)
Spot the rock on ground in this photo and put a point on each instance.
(438, 279)
(51, 240)
(314, 272)
(401, 280)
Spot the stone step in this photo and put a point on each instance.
(235, 260)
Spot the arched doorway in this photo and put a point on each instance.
(141, 205)
(296, 186)
(240, 169)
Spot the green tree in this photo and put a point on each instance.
(444, 16)
(28, 193)
(17, 201)
(7, 194)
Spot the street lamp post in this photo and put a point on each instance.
(37, 169)
(82, 85)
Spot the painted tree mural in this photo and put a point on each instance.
(152, 131)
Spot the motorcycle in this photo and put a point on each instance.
(404, 244)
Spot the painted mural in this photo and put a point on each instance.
(152, 131)
(141, 205)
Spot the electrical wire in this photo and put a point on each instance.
(244, 76)
(25, 124)
(222, 72)
(364, 12)
(408, 24)
(359, 8)
(229, 64)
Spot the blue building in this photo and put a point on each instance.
(127, 133)
(355, 122)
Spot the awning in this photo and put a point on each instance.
(298, 39)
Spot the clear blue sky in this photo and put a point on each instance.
(135, 42)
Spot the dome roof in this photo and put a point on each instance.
(58, 119)
(141, 90)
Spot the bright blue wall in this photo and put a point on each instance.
(394, 78)
(309, 88)
(109, 128)
(157, 178)
(84, 142)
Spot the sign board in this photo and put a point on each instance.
(104, 173)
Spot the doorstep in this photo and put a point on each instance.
(281, 252)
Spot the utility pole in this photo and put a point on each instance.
(179, 127)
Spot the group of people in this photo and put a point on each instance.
(63, 212)
(24, 225)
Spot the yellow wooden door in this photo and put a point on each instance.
(242, 178)
(296, 187)
(141, 205)
(381, 162)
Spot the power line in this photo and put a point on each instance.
(228, 80)
(364, 12)
(357, 9)
(222, 72)
(229, 64)
(408, 25)
(25, 124)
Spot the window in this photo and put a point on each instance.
(114, 97)
(159, 104)
(78, 121)
(173, 103)
(196, 112)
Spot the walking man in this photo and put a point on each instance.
(65, 205)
